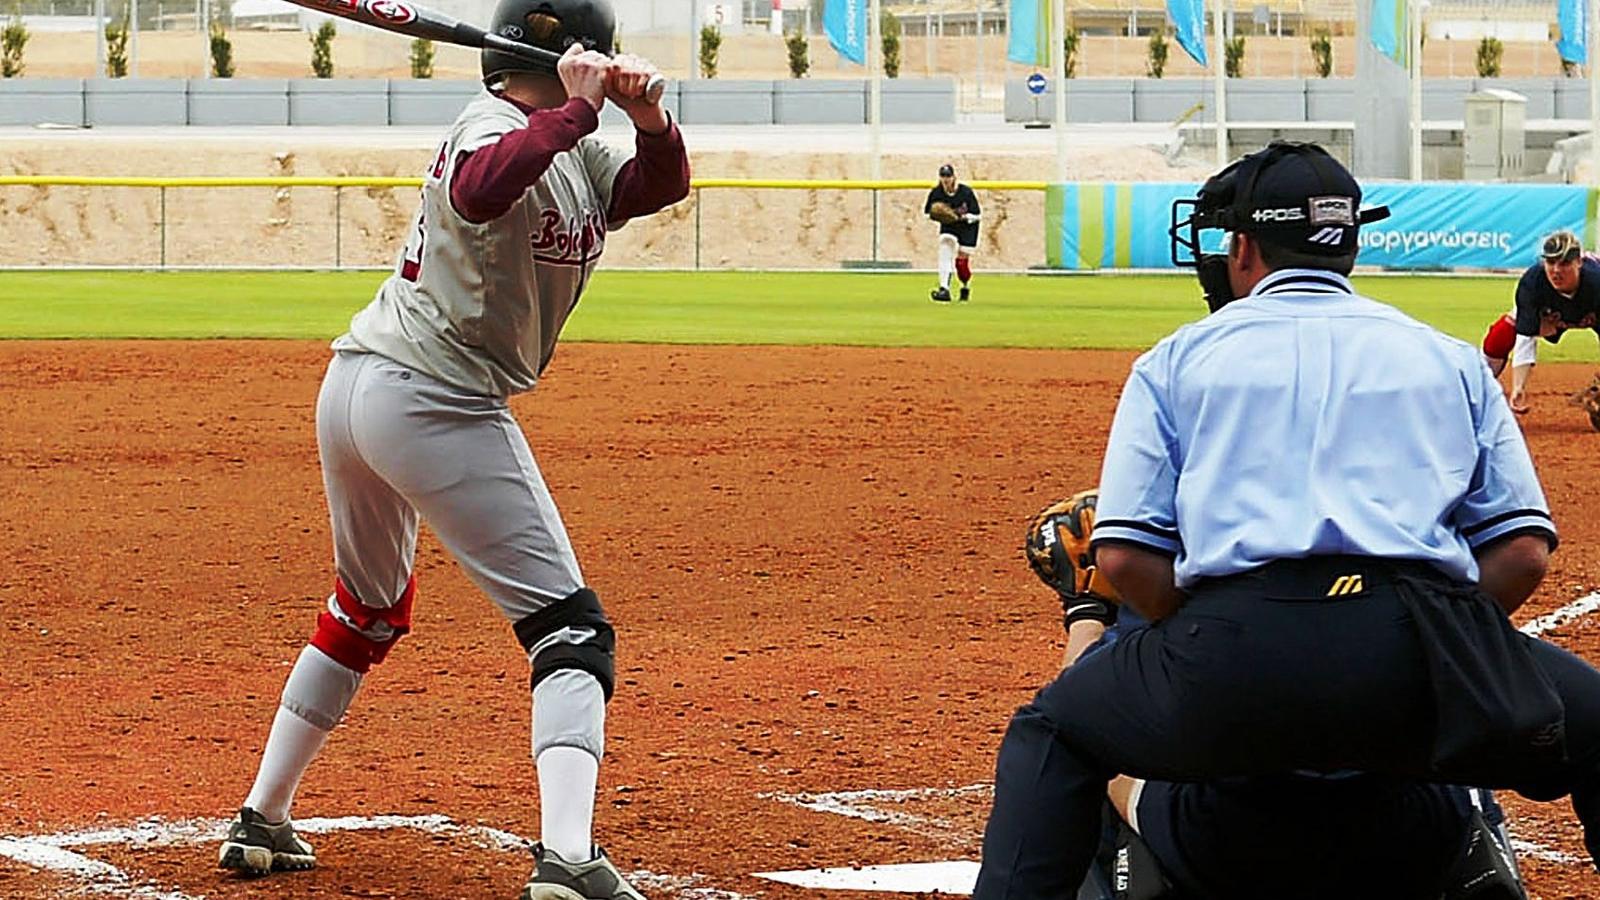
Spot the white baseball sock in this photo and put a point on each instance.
(315, 698)
(567, 778)
(947, 262)
(291, 747)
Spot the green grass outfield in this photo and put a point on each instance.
(871, 309)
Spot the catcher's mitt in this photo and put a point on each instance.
(943, 213)
(1589, 400)
(1057, 547)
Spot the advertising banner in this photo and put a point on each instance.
(1433, 226)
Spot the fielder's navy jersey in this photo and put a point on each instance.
(965, 202)
(1307, 420)
(1536, 298)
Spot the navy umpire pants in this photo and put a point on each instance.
(1253, 675)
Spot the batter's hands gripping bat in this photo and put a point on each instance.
(411, 19)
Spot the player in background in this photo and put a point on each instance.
(413, 421)
(1559, 292)
(958, 240)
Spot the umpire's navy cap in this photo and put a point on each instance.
(1294, 195)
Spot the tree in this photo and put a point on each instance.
(13, 38)
(1156, 56)
(710, 46)
(799, 53)
(890, 26)
(1322, 52)
(1233, 56)
(1489, 52)
(422, 58)
(117, 47)
(322, 50)
(1070, 46)
(221, 51)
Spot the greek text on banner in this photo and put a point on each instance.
(1433, 226)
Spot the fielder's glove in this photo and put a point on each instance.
(943, 213)
(1057, 547)
(1589, 400)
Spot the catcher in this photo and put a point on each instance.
(1300, 835)
(955, 207)
(1559, 292)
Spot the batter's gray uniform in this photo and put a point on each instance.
(412, 418)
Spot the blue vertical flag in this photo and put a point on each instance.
(1029, 40)
(1574, 43)
(1389, 30)
(845, 21)
(1189, 21)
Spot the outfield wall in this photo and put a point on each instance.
(1433, 226)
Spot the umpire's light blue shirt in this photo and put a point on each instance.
(1304, 420)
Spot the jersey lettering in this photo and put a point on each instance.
(436, 171)
(411, 262)
(578, 240)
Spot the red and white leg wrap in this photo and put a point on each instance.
(358, 636)
(1500, 338)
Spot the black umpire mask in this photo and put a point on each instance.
(1291, 194)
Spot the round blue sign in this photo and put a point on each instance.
(1036, 83)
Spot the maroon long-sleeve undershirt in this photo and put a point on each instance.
(489, 181)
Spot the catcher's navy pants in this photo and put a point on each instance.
(1236, 684)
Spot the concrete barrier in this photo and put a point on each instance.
(1165, 100)
(1331, 99)
(711, 101)
(135, 101)
(429, 101)
(919, 101)
(37, 101)
(821, 102)
(1267, 99)
(238, 101)
(339, 101)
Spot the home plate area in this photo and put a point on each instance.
(129, 862)
(153, 859)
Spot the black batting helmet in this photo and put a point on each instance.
(551, 24)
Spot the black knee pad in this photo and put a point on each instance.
(597, 655)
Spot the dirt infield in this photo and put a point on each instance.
(811, 555)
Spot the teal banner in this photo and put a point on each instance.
(1432, 226)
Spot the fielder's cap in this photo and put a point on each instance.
(1561, 246)
(946, 170)
(1297, 196)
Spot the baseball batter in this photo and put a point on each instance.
(1559, 292)
(958, 240)
(412, 421)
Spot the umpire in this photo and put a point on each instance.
(1326, 509)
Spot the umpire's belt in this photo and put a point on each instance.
(1321, 577)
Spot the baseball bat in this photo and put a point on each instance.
(418, 21)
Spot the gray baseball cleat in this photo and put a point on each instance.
(556, 879)
(257, 847)
(941, 295)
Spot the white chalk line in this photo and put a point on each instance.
(49, 852)
(1573, 611)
